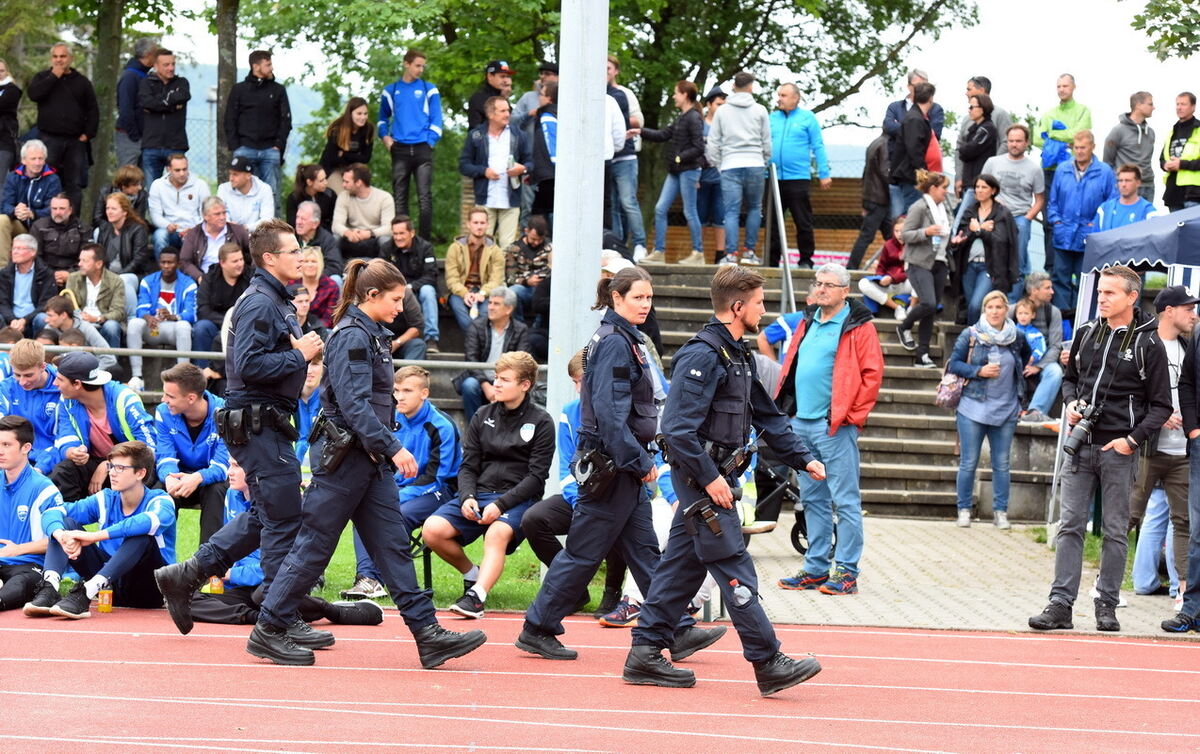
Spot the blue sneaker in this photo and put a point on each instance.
(624, 616)
(803, 580)
(840, 583)
(1181, 623)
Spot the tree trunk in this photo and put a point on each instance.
(109, 17)
(227, 15)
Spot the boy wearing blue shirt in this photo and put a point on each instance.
(307, 409)
(166, 312)
(30, 392)
(193, 461)
(135, 535)
(23, 495)
(1129, 207)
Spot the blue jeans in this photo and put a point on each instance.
(673, 186)
(627, 213)
(968, 198)
(154, 161)
(970, 440)
(709, 206)
(1047, 390)
(1067, 268)
(742, 185)
(203, 334)
(429, 307)
(839, 490)
(1024, 230)
(265, 164)
(524, 299)
(413, 350)
(111, 332)
(162, 239)
(462, 315)
(903, 196)
(976, 284)
(472, 395)
(1155, 532)
(131, 294)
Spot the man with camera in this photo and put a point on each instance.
(1117, 394)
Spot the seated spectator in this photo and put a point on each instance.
(1046, 371)
(310, 233)
(408, 329)
(25, 285)
(130, 181)
(176, 204)
(311, 185)
(474, 264)
(890, 278)
(59, 238)
(991, 356)
(30, 392)
(73, 338)
(166, 311)
(779, 333)
(1023, 312)
(415, 259)
(193, 462)
(526, 262)
(94, 415)
(323, 290)
(27, 194)
(432, 438)
(7, 335)
(248, 200)
(219, 289)
(986, 254)
(126, 245)
(507, 450)
(307, 409)
(488, 338)
(308, 319)
(362, 215)
(1128, 207)
(98, 293)
(539, 332)
(136, 534)
(25, 494)
(350, 139)
(202, 247)
(47, 336)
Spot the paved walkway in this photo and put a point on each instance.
(932, 574)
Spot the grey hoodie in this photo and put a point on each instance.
(1133, 143)
(740, 136)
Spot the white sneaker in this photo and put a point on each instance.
(900, 313)
(964, 518)
(1179, 601)
(749, 257)
(655, 256)
(692, 259)
(1001, 520)
(136, 384)
(639, 253)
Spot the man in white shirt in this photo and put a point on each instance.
(248, 200)
(175, 203)
(1022, 191)
(495, 157)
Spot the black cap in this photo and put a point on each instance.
(548, 66)
(498, 66)
(1174, 295)
(84, 367)
(714, 93)
(240, 164)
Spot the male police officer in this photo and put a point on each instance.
(267, 360)
(715, 397)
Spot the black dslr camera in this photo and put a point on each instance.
(1083, 428)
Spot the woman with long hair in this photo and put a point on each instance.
(684, 153)
(349, 139)
(926, 231)
(126, 241)
(986, 256)
(312, 185)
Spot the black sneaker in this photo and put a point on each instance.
(1106, 616)
(75, 605)
(435, 644)
(906, 338)
(1179, 623)
(276, 645)
(693, 639)
(178, 582)
(645, 666)
(308, 637)
(544, 645)
(47, 597)
(431, 346)
(782, 672)
(357, 613)
(608, 602)
(1054, 616)
(468, 606)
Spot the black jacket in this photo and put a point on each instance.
(10, 98)
(325, 200)
(475, 105)
(141, 204)
(362, 143)
(909, 157)
(164, 113)
(129, 115)
(685, 141)
(331, 252)
(258, 115)
(58, 245)
(42, 289)
(479, 342)
(1001, 255)
(1175, 195)
(1138, 400)
(543, 165)
(131, 247)
(417, 263)
(974, 149)
(66, 106)
(261, 364)
(508, 452)
(215, 296)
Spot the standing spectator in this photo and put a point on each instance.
(127, 137)
(1180, 158)
(1001, 121)
(488, 338)
(890, 278)
(219, 289)
(527, 263)
(311, 233)
(68, 118)
(892, 121)
(831, 379)
(991, 356)
(685, 150)
(1048, 320)
(976, 144)
(126, 245)
(25, 285)
(166, 311)
(362, 216)
(1054, 135)
(626, 212)
(495, 156)
(926, 229)
(99, 294)
(349, 139)
(739, 145)
(10, 100)
(1189, 588)
(163, 97)
(27, 194)
(248, 200)
(795, 144)
(545, 151)
(258, 120)
(59, 238)
(202, 245)
(1129, 206)
(986, 246)
(1022, 189)
(176, 203)
(1075, 195)
(410, 124)
(415, 259)
(906, 152)
(613, 141)
(323, 289)
(312, 185)
(876, 202)
(497, 82)
(1132, 141)
(531, 101)
(709, 207)
(129, 180)
(474, 264)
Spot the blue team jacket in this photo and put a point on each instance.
(21, 506)
(126, 416)
(795, 139)
(432, 438)
(176, 451)
(568, 438)
(411, 113)
(154, 516)
(1072, 205)
(185, 296)
(39, 407)
(306, 413)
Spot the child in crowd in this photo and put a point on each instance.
(890, 280)
(1024, 311)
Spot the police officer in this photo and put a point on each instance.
(352, 449)
(267, 360)
(714, 400)
(618, 421)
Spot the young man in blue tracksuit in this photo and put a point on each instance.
(795, 142)
(166, 312)
(94, 414)
(24, 493)
(135, 534)
(432, 438)
(410, 124)
(30, 392)
(192, 460)
(307, 408)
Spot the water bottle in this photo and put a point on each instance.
(741, 595)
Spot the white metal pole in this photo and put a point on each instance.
(789, 296)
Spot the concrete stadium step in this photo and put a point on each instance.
(886, 423)
(933, 478)
(901, 401)
(923, 503)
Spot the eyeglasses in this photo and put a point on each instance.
(287, 251)
(820, 284)
(118, 467)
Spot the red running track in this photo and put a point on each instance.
(128, 682)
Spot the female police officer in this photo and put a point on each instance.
(618, 421)
(352, 479)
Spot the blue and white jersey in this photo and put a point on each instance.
(21, 507)
(568, 438)
(248, 570)
(175, 450)
(5, 365)
(154, 516)
(38, 406)
(432, 438)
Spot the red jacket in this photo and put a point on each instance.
(857, 369)
(891, 261)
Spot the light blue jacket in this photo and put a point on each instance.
(795, 140)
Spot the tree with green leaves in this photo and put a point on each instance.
(1171, 26)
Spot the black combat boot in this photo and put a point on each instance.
(435, 644)
(645, 666)
(178, 582)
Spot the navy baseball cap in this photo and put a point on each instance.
(84, 367)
